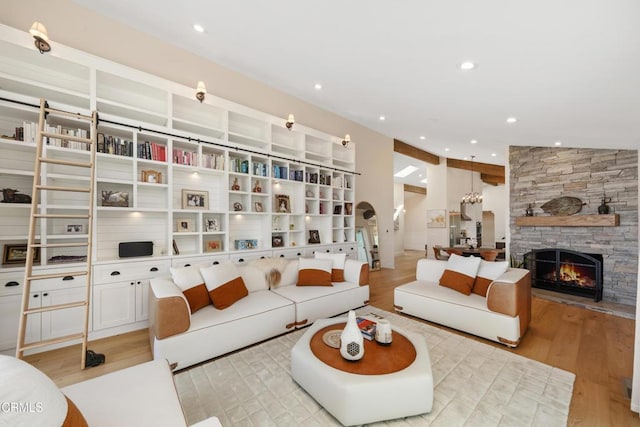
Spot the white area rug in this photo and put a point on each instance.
(475, 385)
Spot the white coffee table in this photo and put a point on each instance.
(364, 398)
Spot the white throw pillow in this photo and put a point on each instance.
(487, 273)
(191, 283)
(460, 273)
(40, 401)
(337, 266)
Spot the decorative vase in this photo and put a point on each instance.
(235, 186)
(603, 209)
(257, 188)
(351, 340)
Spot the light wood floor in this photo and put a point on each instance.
(597, 347)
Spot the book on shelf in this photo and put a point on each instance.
(367, 327)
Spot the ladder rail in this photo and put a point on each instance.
(37, 214)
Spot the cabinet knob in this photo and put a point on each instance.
(261, 257)
(138, 282)
(298, 254)
(216, 262)
(241, 260)
(12, 283)
(35, 295)
(187, 265)
(153, 269)
(340, 249)
(115, 273)
(66, 278)
(327, 250)
(281, 255)
(131, 283)
(46, 294)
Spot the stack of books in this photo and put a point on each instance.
(367, 327)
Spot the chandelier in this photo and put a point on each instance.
(471, 198)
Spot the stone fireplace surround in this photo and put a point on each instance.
(539, 174)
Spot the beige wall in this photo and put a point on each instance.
(81, 28)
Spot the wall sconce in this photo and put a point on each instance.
(346, 140)
(39, 33)
(290, 121)
(201, 91)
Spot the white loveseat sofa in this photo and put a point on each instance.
(502, 316)
(184, 338)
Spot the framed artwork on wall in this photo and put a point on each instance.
(436, 218)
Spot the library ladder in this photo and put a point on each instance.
(40, 213)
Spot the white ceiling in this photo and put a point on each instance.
(567, 70)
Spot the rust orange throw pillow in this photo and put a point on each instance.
(191, 283)
(314, 272)
(460, 273)
(225, 285)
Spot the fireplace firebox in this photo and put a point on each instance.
(566, 271)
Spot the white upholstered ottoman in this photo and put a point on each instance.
(354, 398)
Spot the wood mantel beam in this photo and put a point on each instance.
(416, 153)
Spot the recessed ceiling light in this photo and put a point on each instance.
(446, 149)
(558, 143)
(317, 86)
(473, 141)
(424, 181)
(406, 171)
(382, 118)
(467, 65)
(493, 154)
(511, 120)
(423, 137)
(199, 28)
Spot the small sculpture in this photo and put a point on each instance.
(529, 210)
(563, 206)
(236, 185)
(257, 188)
(14, 196)
(351, 340)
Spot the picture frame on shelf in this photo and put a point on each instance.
(314, 236)
(117, 199)
(337, 210)
(214, 245)
(277, 241)
(152, 176)
(257, 206)
(184, 225)
(74, 228)
(195, 199)
(348, 208)
(244, 244)
(211, 224)
(17, 254)
(283, 204)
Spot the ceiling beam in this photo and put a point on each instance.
(485, 168)
(415, 189)
(416, 153)
(492, 179)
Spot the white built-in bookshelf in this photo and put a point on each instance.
(214, 180)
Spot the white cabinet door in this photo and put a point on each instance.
(113, 304)
(59, 323)
(10, 320)
(142, 299)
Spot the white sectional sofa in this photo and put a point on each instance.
(185, 338)
(502, 316)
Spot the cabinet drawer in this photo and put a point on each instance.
(244, 257)
(11, 283)
(288, 253)
(202, 261)
(108, 273)
(310, 251)
(65, 282)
